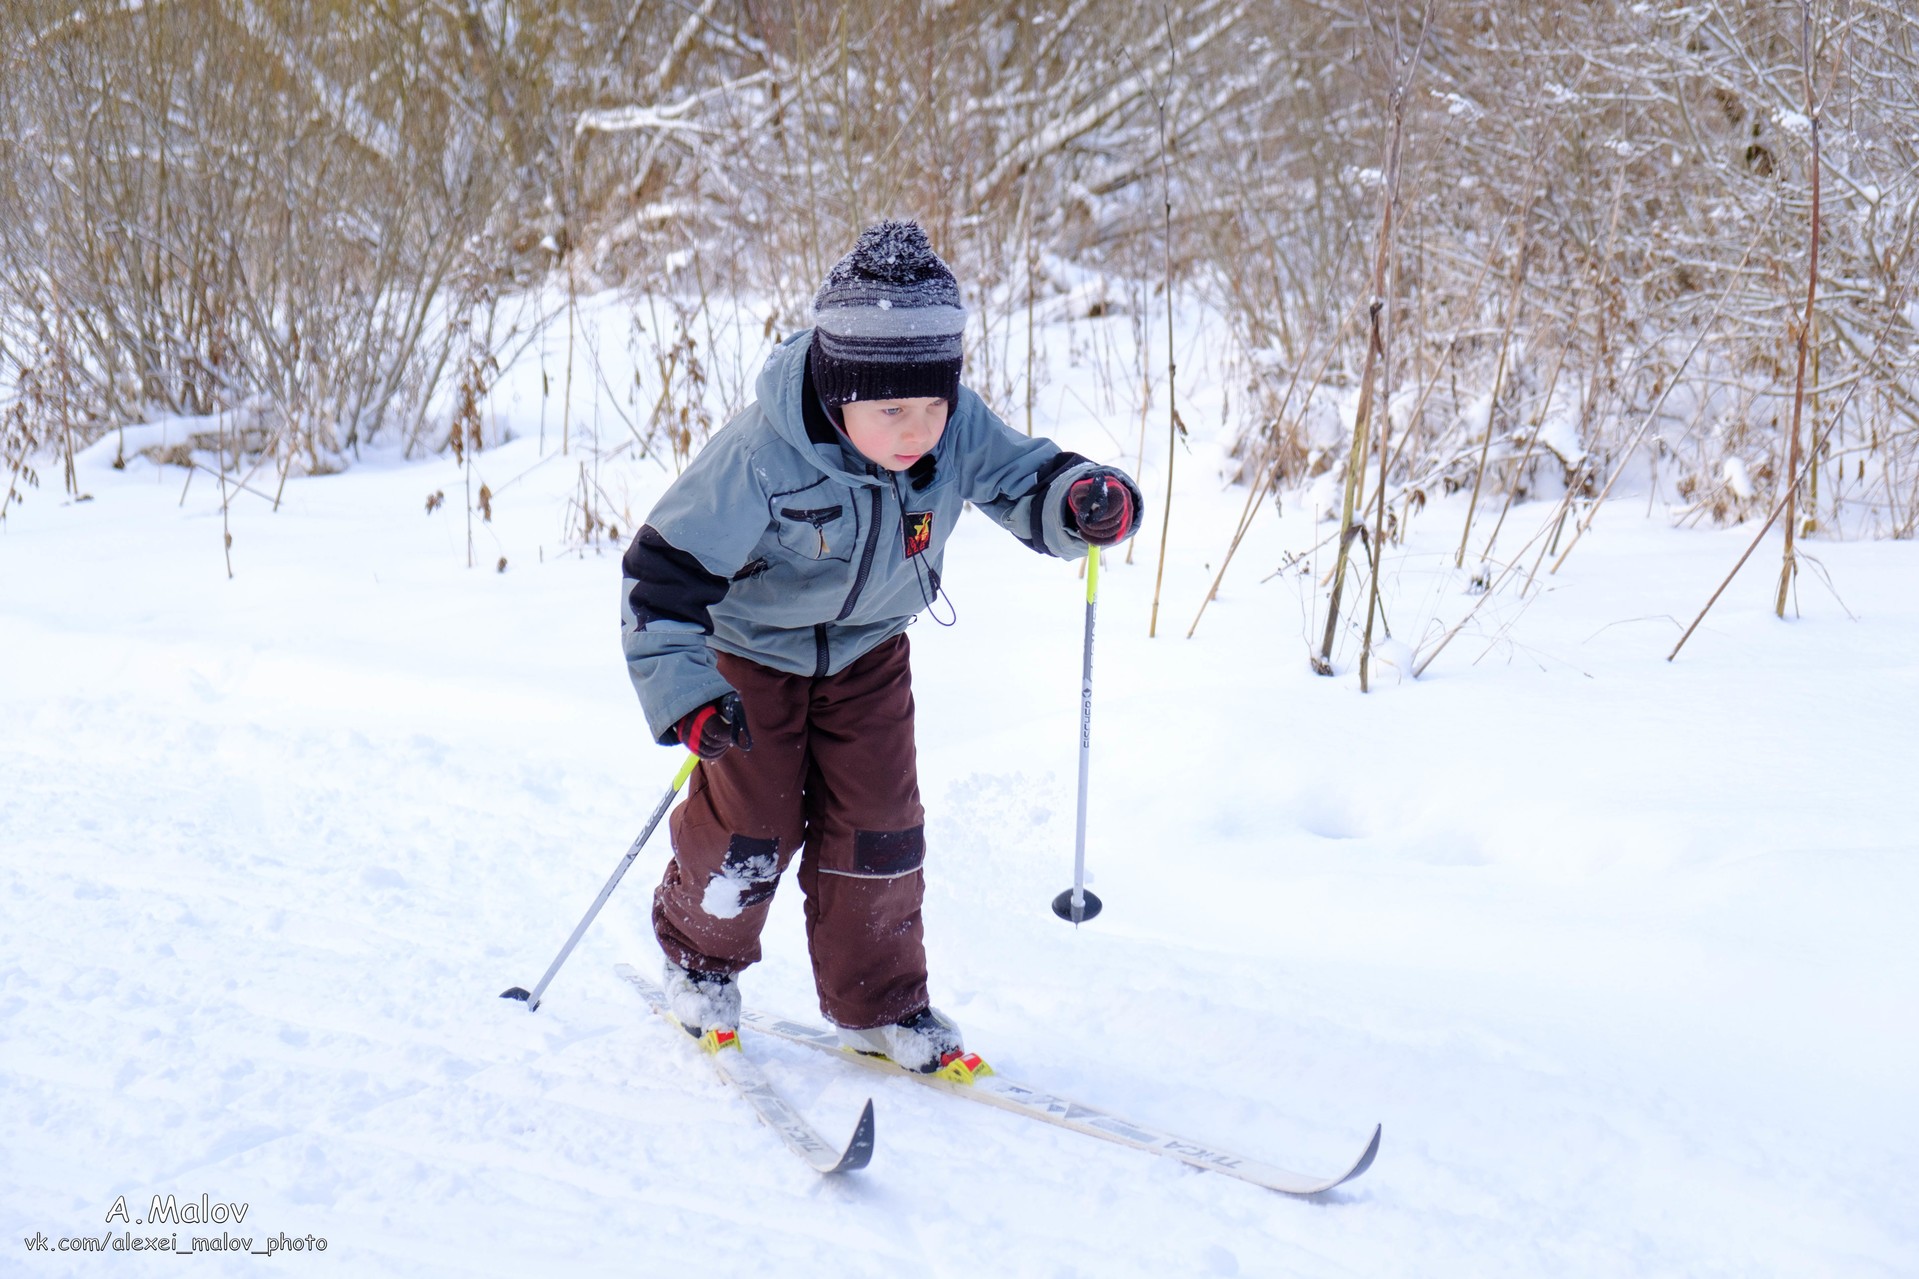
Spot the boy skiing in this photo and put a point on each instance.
(763, 613)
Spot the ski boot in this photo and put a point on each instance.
(702, 1002)
(922, 1042)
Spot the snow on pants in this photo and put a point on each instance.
(832, 770)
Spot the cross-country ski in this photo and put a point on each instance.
(991, 1089)
(750, 1082)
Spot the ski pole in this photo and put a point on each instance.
(1076, 904)
(666, 802)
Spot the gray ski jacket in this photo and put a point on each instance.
(780, 544)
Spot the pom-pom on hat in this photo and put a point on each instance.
(888, 320)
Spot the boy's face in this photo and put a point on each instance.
(895, 433)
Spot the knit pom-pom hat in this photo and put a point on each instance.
(888, 320)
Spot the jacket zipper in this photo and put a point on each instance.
(822, 653)
(866, 561)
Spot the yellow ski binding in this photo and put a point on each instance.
(963, 1068)
(718, 1041)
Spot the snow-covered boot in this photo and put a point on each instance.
(922, 1042)
(702, 1001)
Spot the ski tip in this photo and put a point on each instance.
(1365, 1160)
(859, 1151)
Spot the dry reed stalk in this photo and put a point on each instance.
(282, 450)
(1356, 460)
(546, 380)
(566, 392)
(226, 529)
(1174, 427)
(1558, 520)
(1532, 444)
(1381, 336)
(1355, 467)
(1652, 414)
(1788, 568)
(1266, 476)
(1894, 309)
(1492, 588)
(1140, 338)
(1812, 489)
(1499, 377)
(61, 377)
(1452, 345)
(239, 485)
(1031, 264)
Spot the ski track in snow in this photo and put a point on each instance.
(1618, 951)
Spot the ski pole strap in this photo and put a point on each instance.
(1092, 573)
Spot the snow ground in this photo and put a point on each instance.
(1619, 951)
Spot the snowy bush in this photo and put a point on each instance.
(304, 200)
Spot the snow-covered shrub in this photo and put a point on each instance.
(1600, 204)
(210, 203)
(204, 207)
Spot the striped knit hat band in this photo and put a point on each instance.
(888, 321)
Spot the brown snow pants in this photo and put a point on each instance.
(832, 770)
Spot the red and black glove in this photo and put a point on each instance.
(1102, 507)
(716, 728)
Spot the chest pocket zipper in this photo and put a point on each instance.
(818, 518)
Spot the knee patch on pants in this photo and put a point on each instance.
(884, 854)
(746, 878)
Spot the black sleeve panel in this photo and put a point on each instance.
(1060, 462)
(669, 583)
